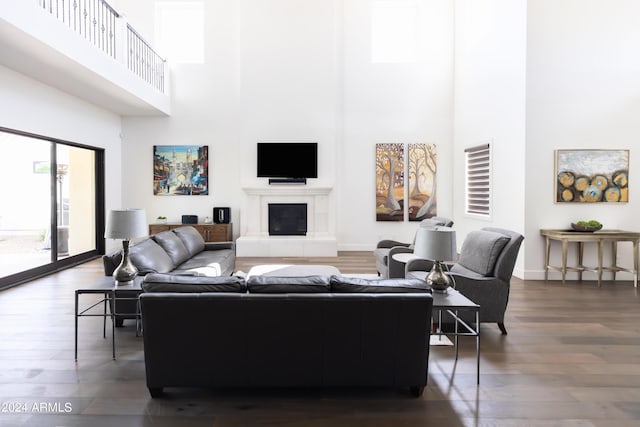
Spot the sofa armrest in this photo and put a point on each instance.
(418, 264)
(391, 243)
(215, 246)
(396, 268)
(111, 261)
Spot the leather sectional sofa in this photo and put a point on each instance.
(267, 331)
(180, 251)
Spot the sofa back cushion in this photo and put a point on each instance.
(192, 284)
(480, 250)
(359, 285)
(191, 238)
(281, 285)
(149, 257)
(173, 246)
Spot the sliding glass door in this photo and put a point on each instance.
(50, 199)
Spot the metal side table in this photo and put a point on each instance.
(106, 286)
(451, 303)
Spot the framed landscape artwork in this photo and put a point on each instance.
(422, 181)
(180, 170)
(592, 176)
(389, 182)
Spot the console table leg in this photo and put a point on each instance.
(599, 262)
(614, 258)
(580, 258)
(635, 263)
(565, 245)
(546, 258)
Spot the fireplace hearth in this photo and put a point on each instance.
(287, 219)
(255, 239)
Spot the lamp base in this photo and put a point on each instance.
(437, 279)
(126, 271)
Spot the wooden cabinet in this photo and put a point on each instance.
(210, 232)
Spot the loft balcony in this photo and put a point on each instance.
(86, 49)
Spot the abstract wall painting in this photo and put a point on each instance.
(180, 170)
(389, 182)
(422, 168)
(592, 176)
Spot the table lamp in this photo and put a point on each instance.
(437, 244)
(126, 224)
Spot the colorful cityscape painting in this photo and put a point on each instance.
(180, 170)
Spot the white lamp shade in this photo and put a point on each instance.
(436, 244)
(126, 224)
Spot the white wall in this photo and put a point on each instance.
(393, 102)
(290, 70)
(30, 106)
(490, 69)
(583, 91)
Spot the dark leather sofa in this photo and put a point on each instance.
(314, 331)
(178, 251)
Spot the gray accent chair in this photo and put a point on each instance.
(483, 270)
(387, 267)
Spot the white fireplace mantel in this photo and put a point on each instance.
(255, 240)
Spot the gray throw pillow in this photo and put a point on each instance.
(359, 285)
(173, 246)
(192, 239)
(283, 285)
(149, 257)
(480, 251)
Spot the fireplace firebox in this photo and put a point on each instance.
(287, 219)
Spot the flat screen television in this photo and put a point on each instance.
(287, 159)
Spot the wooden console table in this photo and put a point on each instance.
(599, 237)
(210, 232)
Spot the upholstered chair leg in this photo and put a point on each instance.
(502, 328)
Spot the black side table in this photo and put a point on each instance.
(106, 286)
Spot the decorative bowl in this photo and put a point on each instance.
(587, 228)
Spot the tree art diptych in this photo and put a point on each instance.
(592, 176)
(419, 167)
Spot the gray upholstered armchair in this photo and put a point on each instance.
(483, 270)
(387, 267)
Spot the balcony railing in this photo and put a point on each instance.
(101, 25)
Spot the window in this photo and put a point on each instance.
(50, 217)
(180, 31)
(394, 31)
(478, 180)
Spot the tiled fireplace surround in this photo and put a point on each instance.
(255, 240)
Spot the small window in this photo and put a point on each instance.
(394, 31)
(180, 31)
(478, 180)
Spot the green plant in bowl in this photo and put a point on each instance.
(591, 225)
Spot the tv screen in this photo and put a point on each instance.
(287, 159)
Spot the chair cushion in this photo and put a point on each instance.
(280, 285)
(359, 285)
(149, 257)
(480, 250)
(172, 245)
(191, 238)
(177, 283)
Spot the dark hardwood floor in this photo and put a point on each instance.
(572, 358)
